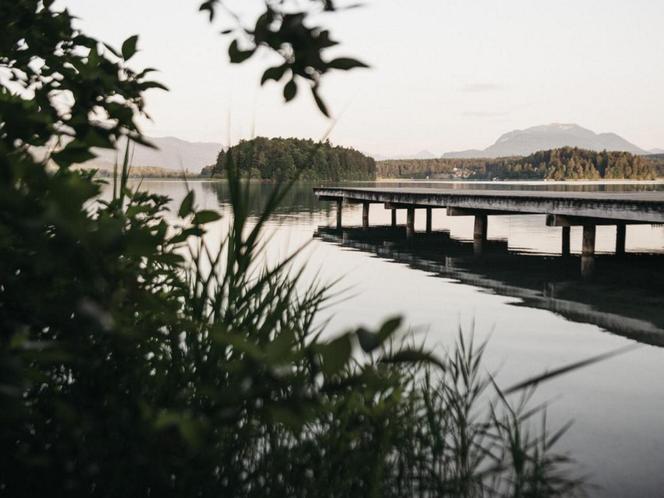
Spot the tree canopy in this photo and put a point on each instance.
(566, 163)
(291, 158)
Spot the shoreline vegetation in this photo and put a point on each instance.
(566, 163)
(279, 159)
(284, 158)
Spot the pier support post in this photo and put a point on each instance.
(588, 251)
(566, 240)
(410, 222)
(479, 234)
(394, 217)
(429, 213)
(365, 214)
(339, 212)
(621, 236)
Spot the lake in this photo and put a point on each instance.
(523, 296)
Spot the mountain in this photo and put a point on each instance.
(171, 153)
(656, 151)
(551, 136)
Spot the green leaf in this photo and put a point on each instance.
(335, 354)
(319, 102)
(413, 356)
(370, 341)
(237, 55)
(205, 216)
(74, 153)
(345, 63)
(147, 85)
(278, 351)
(208, 7)
(187, 205)
(533, 381)
(112, 50)
(290, 90)
(185, 234)
(129, 47)
(274, 73)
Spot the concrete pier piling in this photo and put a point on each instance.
(566, 236)
(479, 234)
(410, 222)
(588, 250)
(365, 214)
(562, 209)
(394, 217)
(621, 236)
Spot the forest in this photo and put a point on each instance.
(290, 158)
(566, 163)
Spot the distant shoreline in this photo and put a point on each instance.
(528, 182)
(659, 181)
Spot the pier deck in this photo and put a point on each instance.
(563, 209)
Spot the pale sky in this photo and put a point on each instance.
(446, 74)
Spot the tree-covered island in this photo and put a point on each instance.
(287, 158)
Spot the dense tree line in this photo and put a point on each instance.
(288, 158)
(427, 168)
(657, 162)
(566, 163)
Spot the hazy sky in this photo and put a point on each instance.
(446, 74)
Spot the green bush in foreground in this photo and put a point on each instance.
(136, 360)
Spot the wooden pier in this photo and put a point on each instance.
(563, 209)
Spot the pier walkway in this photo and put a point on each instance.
(563, 209)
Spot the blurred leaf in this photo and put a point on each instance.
(335, 354)
(129, 47)
(290, 90)
(278, 350)
(345, 63)
(74, 153)
(319, 102)
(185, 234)
(205, 216)
(236, 54)
(567, 368)
(369, 341)
(413, 356)
(274, 73)
(187, 205)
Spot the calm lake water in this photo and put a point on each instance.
(527, 299)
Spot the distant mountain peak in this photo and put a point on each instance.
(170, 153)
(550, 136)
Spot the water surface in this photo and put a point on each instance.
(523, 295)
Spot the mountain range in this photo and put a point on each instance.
(551, 136)
(177, 154)
(171, 153)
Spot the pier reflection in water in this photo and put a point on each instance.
(616, 405)
(622, 297)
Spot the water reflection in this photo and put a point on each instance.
(621, 298)
(298, 200)
(617, 405)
